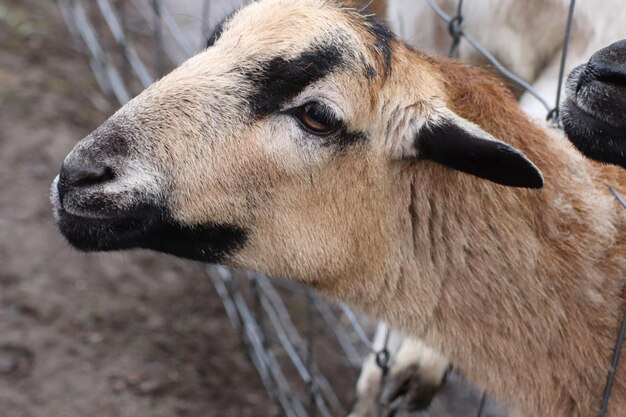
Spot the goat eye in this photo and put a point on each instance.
(317, 119)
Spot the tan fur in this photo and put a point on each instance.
(570, 275)
(521, 289)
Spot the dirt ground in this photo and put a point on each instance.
(128, 335)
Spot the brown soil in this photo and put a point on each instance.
(134, 334)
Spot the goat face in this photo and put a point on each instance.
(278, 148)
(594, 112)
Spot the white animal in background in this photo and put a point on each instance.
(415, 372)
(526, 36)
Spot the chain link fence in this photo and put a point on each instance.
(307, 351)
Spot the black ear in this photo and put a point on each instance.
(463, 146)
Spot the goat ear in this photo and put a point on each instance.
(461, 145)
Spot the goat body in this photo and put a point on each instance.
(560, 284)
(527, 37)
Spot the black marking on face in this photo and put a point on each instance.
(281, 79)
(370, 72)
(206, 243)
(343, 139)
(347, 139)
(152, 228)
(384, 39)
(109, 141)
(451, 145)
(219, 29)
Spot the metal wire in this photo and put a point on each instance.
(114, 22)
(553, 115)
(158, 37)
(501, 68)
(481, 407)
(107, 75)
(455, 29)
(383, 359)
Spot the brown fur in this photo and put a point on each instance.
(567, 274)
(521, 289)
(379, 7)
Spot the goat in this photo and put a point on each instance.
(526, 37)
(594, 112)
(309, 142)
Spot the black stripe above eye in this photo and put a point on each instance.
(281, 79)
(384, 38)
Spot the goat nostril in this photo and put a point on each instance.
(617, 77)
(602, 72)
(86, 176)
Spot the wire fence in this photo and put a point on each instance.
(305, 349)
